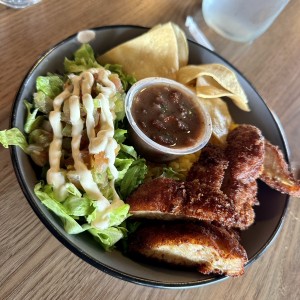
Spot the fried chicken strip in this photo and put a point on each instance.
(245, 151)
(276, 172)
(231, 172)
(202, 246)
(164, 198)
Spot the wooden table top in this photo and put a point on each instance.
(33, 264)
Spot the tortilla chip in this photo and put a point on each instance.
(220, 118)
(214, 81)
(160, 52)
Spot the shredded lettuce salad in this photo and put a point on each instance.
(77, 211)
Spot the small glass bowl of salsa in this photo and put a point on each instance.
(166, 119)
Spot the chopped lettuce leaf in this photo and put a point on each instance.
(40, 137)
(13, 137)
(79, 206)
(133, 178)
(84, 59)
(118, 215)
(46, 197)
(92, 216)
(102, 180)
(72, 189)
(131, 227)
(119, 100)
(127, 80)
(108, 237)
(122, 165)
(67, 130)
(127, 152)
(75, 206)
(119, 135)
(107, 191)
(32, 121)
(42, 102)
(170, 173)
(51, 85)
(97, 103)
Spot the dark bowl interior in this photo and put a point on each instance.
(269, 215)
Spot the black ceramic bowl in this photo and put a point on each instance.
(269, 215)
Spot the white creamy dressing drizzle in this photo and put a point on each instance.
(102, 141)
(55, 175)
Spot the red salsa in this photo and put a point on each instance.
(168, 116)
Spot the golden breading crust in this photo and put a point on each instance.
(245, 152)
(203, 246)
(210, 168)
(164, 198)
(209, 204)
(167, 199)
(159, 195)
(241, 193)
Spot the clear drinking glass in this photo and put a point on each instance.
(241, 20)
(19, 3)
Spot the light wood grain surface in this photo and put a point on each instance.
(33, 264)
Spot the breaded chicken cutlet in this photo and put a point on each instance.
(202, 246)
(221, 189)
(245, 151)
(168, 199)
(209, 192)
